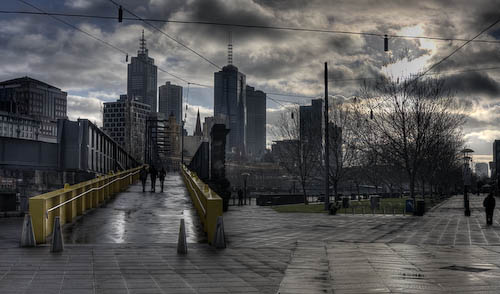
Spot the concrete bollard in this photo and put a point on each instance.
(219, 238)
(181, 241)
(27, 234)
(57, 238)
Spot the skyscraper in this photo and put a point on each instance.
(230, 106)
(142, 77)
(256, 122)
(170, 101)
(311, 121)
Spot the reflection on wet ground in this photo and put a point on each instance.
(136, 217)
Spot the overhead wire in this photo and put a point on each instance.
(42, 12)
(248, 26)
(96, 38)
(54, 15)
(459, 47)
(427, 74)
(167, 35)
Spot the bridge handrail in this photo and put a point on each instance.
(72, 201)
(207, 203)
(88, 191)
(202, 206)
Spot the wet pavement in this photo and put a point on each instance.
(128, 246)
(140, 218)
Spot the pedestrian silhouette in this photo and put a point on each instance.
(153, 173)
(240, 197)
(489, 207)
(143, 175)
(162, 177)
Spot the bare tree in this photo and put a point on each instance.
(403, 122)
(342, 144)
(298, 152)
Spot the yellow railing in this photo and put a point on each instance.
(72, 201)
(207, 203)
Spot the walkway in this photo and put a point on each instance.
(140, 218)
(268, 252)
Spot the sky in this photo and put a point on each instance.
(275, 61)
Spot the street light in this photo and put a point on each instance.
(245, 177)
(467, 179)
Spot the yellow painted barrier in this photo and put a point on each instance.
(72, 201)
(207, 203)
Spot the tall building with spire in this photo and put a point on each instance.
(142, 77)
(229, 103)
(197, 129)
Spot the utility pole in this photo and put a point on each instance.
(327, 147)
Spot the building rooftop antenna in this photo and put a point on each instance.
(143, 49)
(230, 47)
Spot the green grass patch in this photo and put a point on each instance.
(310, 208)
(387, 206)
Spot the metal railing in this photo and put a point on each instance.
(75, 200)
(207, 203)
(86, 192)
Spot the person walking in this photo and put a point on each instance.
(153, 173)
(143, 175)
(489, 207)
(240, 197)
(162, 177)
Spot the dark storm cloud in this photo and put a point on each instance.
(273, 60)
(471, 83)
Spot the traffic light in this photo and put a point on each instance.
(120, 14)
(386, 43)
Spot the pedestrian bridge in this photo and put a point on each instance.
(113, 209)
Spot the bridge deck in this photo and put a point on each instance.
(136, 217)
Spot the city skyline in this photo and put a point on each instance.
(273, 60)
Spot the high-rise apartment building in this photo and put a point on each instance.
(311, 121)
(34, 100)
(125, 122)
(142, 77)
(230, 106)
(170, 101)
(256, 122)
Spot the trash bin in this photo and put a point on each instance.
(345, 202)
(332, 209)
(375, 202)
(420, 208)
(409, 207)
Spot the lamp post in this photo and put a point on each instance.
(467, 179)
(182, 143)
(245, 177)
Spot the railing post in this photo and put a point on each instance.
(38, 207)
(80, 202)
(102, 191)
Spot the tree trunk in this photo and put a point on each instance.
(304, 191)
(335, 190)
(412, 187)
(423, 188)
